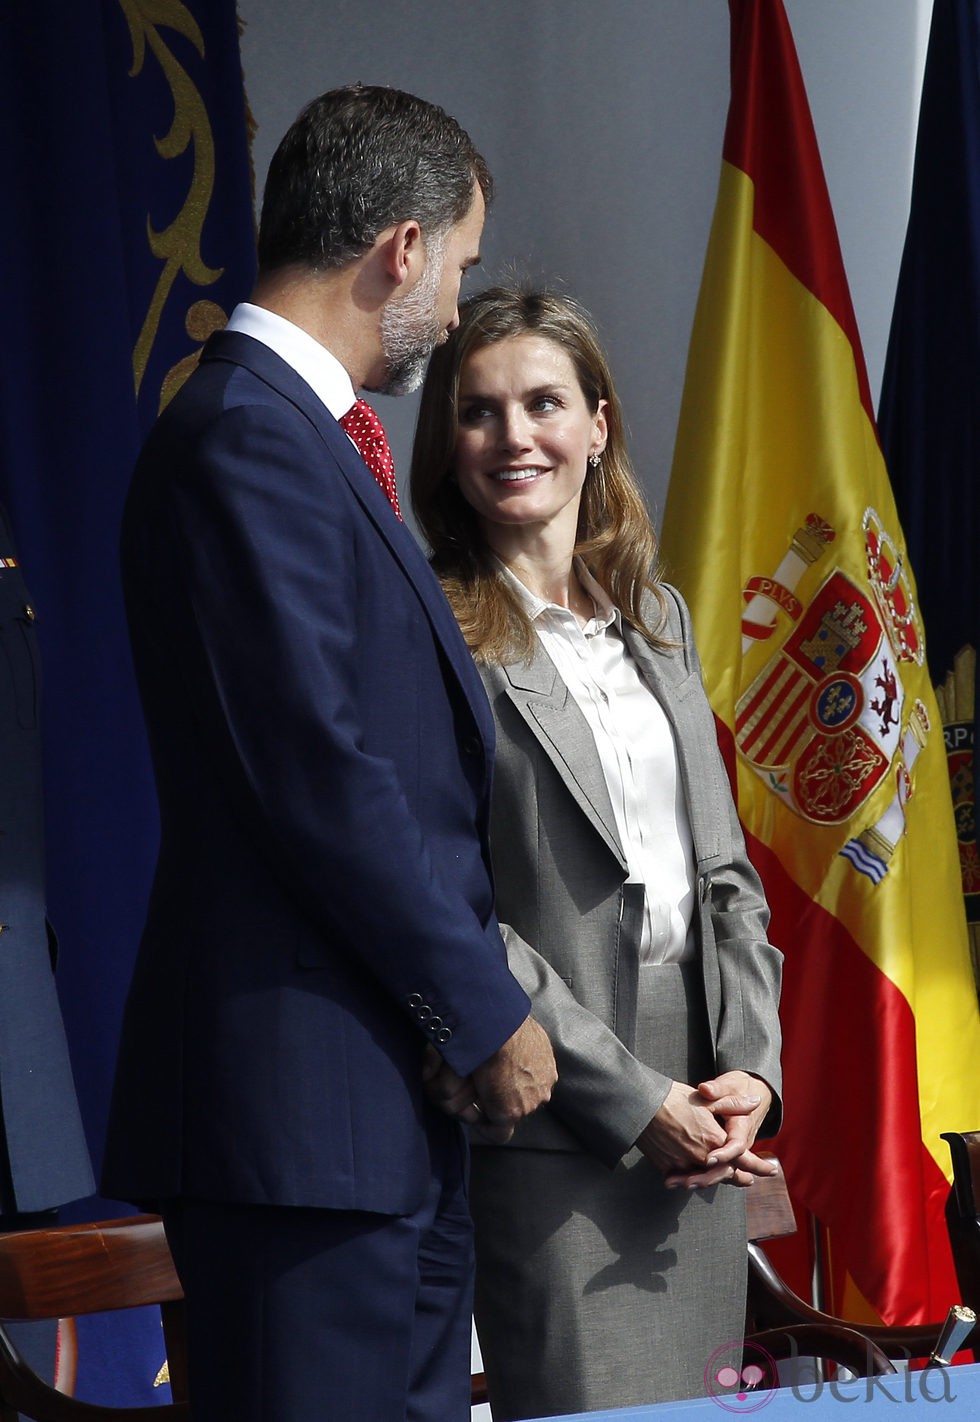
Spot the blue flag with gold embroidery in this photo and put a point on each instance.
(127, 236)
(928, 416)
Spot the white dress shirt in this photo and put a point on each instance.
(322, 371)
(635, 744)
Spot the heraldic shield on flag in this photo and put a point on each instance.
(826, 721)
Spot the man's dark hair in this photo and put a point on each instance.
(356, 161)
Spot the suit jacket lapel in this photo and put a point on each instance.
(267, 366)
(554, 719)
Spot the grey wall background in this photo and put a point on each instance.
(603, 126)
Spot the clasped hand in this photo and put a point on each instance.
(515, 1081)
(704, 1135)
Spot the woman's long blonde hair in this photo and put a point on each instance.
(615, 536)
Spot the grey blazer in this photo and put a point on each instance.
(571, 922)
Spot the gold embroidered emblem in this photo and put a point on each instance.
(178, 245)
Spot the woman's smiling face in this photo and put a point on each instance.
(525, 435)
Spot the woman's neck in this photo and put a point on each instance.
(547, 573)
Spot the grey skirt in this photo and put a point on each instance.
(597, 1288)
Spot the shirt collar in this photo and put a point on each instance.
(321, 370)
(534, 606)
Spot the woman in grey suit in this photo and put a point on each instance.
(610, 1244)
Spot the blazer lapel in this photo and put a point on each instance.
(274, 371)
(553, 717)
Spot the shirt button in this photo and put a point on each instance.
(29, 612)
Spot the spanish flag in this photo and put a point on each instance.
(781, 530)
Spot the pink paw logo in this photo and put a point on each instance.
(733, 1374)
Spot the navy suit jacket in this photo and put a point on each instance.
(322, 744)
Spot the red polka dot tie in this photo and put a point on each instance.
(367, 432)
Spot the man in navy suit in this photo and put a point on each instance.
(322, 913)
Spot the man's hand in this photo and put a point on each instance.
(451, 1093)
(515, 1081)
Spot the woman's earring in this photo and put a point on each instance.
(594, 460)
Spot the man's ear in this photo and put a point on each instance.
(404, 252)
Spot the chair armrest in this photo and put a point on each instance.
(837, 1342)
(773, 1304)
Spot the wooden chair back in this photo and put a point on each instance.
(768, 1208)
(69, 1270)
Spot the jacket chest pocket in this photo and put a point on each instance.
(19, 669)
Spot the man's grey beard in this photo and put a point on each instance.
(409, 329)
